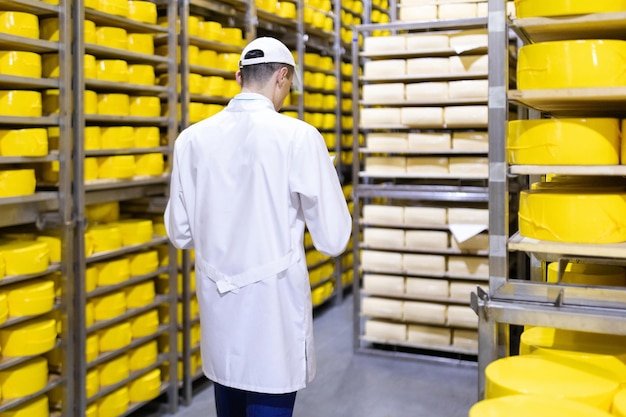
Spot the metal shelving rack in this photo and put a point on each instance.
(515, 300)
(105, 191)
(440, 189)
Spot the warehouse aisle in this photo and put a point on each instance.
(349, 385)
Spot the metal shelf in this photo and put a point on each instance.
(21, 43)
(423, 53)
(416, 297)
(443, 348)
(105, 184)
(125, 120)
(209, 99)
(202, 70)
(129, 282)
(434, 126)
(130, 56)
(106, 19)
(20, 121)
(444, 275)
(214, 46)
(434, 251)
(471, 23)
(126, 151)
(422, 323)
(103, 256)
(417, 175)
(425, 77)
(15, 82)
(430, 102)
(131, 312)
(424, 192)
(604, 170)
(122, 190)
(37, 7)
(99, 85)
(418, 152)
(584, 102)
(52, 156)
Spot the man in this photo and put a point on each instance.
(244, 184)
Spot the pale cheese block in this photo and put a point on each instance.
(415, 2)
(510, 9)
(427, 90)
(375, 236)
(421, 312)
(383, 92)
(380, 117)
(469, 265)
(461, 291)
(417, 43)
(386, 284)
(476, 166)
(427, 239)
(431, 65)
(427, 165)
(382, 308)
(465, 116)
(387, 141)
(425, 215)
(428, 141)
(478, 89)
(385, 164)
(482, 9)
(383, 214)
(467, 40)
(384, 330)
(384, 68)
(478, 141)
(433, 265)
(417, 13)
(465, 339)
(425, 287)
(475, 243)
(472, 64)
(425, 117)
(384, 44)
(462, 316)
(378, 260)
(428, 335)
(457, 215)
(456, 11)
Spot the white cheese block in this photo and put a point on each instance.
(385, 164)
(427, 91)
(475, 243)
(386, 284)
(426, 117)
(469, 166)
(382, 308)
(462, 316)
(472, 64)
(422, 312)
(478, 141)
(461, 291)
(427, 239)
(375, 236)
(468, 265)
(425, 287)
(417, 13)
(383, 92)
(384, 68)
(417, 43)
(465, 339)
(385, 331)
(468, 89)
(482, 9)
(421, 66)
(510, 9)
(427, 165)
(468, 216)
(387, 141)
(380, 116)
(467, 40)
(465, 116)
(456, 11)
(427, 335)
(418, 264)
(384, 44)
(425, 215)
(416, 2)
(434, 141)
(383, 214)
(378, 260)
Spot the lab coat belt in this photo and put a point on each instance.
(226, 283)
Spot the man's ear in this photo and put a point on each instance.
(238, 78)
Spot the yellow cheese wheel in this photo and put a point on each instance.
(114, 404)
(113, 272)
(151, 164)
(114, 370)
(116, 7)
(91, 102)
(54, 245)
(564, 142)
(233, 35)
(145, 106)
(583, 217)
(142, 11)
(27, 339)
(20, 103)
(533, 405)
(37, 407)
(109, 306)
(588, 274)
(115, 337)
(144, 355)
(145, 324)
(92, 383)
(49, 29)
(24, 379)
(619, 404)
(19, 24)
(142, 74)
(20, 63)
(135, 231)
(147, 137)
(572, 64)
(104, 237)
(91, 278)
(25, 257)
(140, 295)
(4, 308)
(114, 104)
(50, 66)
(537, 8)
(117, 137)
(92, 410)
(623, 151)
(103, 212)
(112, 37)
(142, 43)
(143, 263)
(91, 169)
(89, 314)
(92, 347)
(90, 31)
(146, 387)
(210, 30)
(287, 10)
(30, 299)
(115, 70)
(92, 137)
(24, 142)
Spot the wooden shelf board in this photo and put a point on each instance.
(608, 170)
(582, 101)
(551, 250)
(588, 26)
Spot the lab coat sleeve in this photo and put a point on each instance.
(322, 201)
(176, 218)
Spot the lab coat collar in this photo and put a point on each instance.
(250, 101)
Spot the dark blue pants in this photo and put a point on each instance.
(232, 402)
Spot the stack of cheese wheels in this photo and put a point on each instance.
(588, 141)
(533, 405)
(537, 8)
(572, 64)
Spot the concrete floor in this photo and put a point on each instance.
(363, 385)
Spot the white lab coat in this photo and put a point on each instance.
(244, 183)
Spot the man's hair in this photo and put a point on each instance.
(261, 73)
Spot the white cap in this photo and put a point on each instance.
(273, 51)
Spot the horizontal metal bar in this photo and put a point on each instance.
(133, 280)
(131, 312)
(102, 256)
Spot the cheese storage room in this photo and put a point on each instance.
(339, 208)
